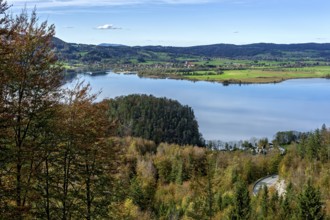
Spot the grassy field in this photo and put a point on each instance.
(217, 62)
(263, 76)
(160, 65)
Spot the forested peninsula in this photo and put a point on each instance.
(156, 119)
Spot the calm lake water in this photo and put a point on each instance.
(233, 112)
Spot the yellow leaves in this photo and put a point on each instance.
(127, 210)
(177, 197)
(185, 202)
(132, 148)
(227, 213)
(190, 209)
(196, 152)
(139, 146)
(158, 168)
(325, 177)
(169, 150)
(146, 172)
(166, 193)
(327, 206)
(180, 194)
(130, 209)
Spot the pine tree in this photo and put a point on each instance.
(274, 203)
(309, 203)
(241, 201)
(286, 203)
(264, 201)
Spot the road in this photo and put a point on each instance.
(269, 181)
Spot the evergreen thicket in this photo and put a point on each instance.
(157, 119)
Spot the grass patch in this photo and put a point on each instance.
(265, 75)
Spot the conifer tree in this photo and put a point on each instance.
(264, 201)
(285, 210)
(309, 203)
(241, 201)
(274, 204)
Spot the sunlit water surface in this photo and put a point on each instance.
(233, 112)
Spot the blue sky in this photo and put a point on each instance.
(184, 22)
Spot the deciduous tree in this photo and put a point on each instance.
(30, 81)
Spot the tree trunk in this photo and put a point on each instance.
(88, 193)
(47, 190)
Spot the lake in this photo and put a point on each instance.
(234, 112)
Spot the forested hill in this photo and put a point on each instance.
(263, 50)
(83, 52)
(157, 119)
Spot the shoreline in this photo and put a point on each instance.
(225, 82)
(265, 80)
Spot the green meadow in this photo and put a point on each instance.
(262, 75)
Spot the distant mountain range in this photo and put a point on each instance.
(259, 51)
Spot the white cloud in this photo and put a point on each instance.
(107, 27)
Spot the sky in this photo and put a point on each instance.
(184, 22)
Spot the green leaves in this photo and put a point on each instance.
(309, 202)
(157, 119)
(241, 201)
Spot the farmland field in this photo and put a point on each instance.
(264, 75)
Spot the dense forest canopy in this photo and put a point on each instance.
(157, 119)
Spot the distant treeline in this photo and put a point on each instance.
(122, 54)
(249, 50)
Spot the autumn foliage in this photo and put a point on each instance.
(65, 156)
